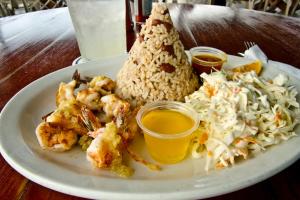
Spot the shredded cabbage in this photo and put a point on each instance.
(242, 113)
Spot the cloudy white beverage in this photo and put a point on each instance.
(99, 26)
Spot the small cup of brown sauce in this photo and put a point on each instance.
(207, 59)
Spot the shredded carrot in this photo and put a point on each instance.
(277, 118)
(203, 138)
(209, 90)
(209, 153)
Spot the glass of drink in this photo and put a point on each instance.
(99, 27)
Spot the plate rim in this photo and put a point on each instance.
(73, 190)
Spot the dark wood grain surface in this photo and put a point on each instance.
(36, 44)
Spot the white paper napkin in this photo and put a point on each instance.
(255, 53)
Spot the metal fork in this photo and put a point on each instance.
(248, 45)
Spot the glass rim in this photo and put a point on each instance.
(178, 106)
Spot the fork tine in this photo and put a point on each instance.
(246, 45)
(249, 44)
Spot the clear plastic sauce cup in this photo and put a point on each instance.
(207, 59)
(167, 128)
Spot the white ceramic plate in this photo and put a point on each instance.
(70, 173)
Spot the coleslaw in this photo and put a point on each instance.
(241, 114)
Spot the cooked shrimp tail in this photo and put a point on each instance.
(47, 115)
(89, 119)
(139, 159)
(77, 78)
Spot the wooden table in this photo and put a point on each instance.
(36, 44)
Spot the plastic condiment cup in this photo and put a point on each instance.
(167, 148)
(204, 65)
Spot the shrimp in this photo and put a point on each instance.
(65, 92)
(130, 127)
(114, 106)
(102, 84)
(98, 86)
(55, 138)
(90, 98)
(105, 151)
(127, 130)
(67, 116)
(105, 147)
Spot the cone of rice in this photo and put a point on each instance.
(157, 67)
